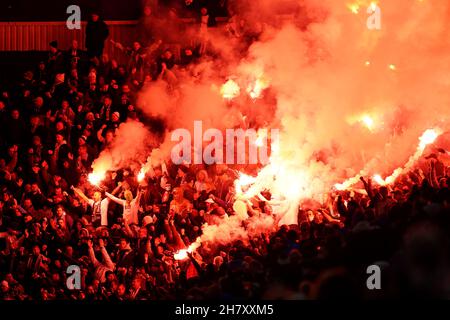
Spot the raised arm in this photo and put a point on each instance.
(119, 185)
(92, 254)
(80, 194)
(105, 255)
(115, 199)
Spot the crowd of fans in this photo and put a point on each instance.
(123, 234)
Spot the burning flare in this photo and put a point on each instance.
(95, 178)
(230, 90)
(183, 253)
(141, 175)
(427, 138)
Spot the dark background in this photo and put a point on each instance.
(55, 10)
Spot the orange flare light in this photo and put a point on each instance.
(183, 254)
(95, 178)
(230, 90)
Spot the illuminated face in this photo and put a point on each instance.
(97, 196)
(121, 290)
(59, 138)
(15, 114)
(136, 284)
(123, 244)
(59, 126)
(128, 196)
(59, 211)
(109, 137)
(201, 176)
(94, 17)
(136, 45)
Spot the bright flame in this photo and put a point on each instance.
(378, 179)
(244, 180)
(254, 90)
(230, 90)
(183, 253)
(141, 175)
(354, 7)
(392, 67)
(96, 177)
(428, 137)
(368, 122)
(373, 5)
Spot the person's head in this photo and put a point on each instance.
(177, 193)
(108, 101)
(90, 116)
(97, 196)
(121, 290)
(109, 136)
(143, 233)
(4, 286)
(74, 44)
(128, 196)
(218, 261)
(27, 203)
(147, 11)
(69, 251)
(202, 175)
(15, 114)
(95, 17)
(34, 187)
(36, 250)
(59, 126)
(318, 218)
(204, 11)
(136, 283)
(188, 52)
(136, 45)
(59, 138)
(168, 54)
(64, 104)
(59, 211)
(123, 243)
(38, 102)
(110, 277)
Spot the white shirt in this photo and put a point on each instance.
(103, 204)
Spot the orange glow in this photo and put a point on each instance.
(230, 90)
(183, 253)
(141, 175)
(95, 178)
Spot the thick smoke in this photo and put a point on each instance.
(345, 98)
(131, 145)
